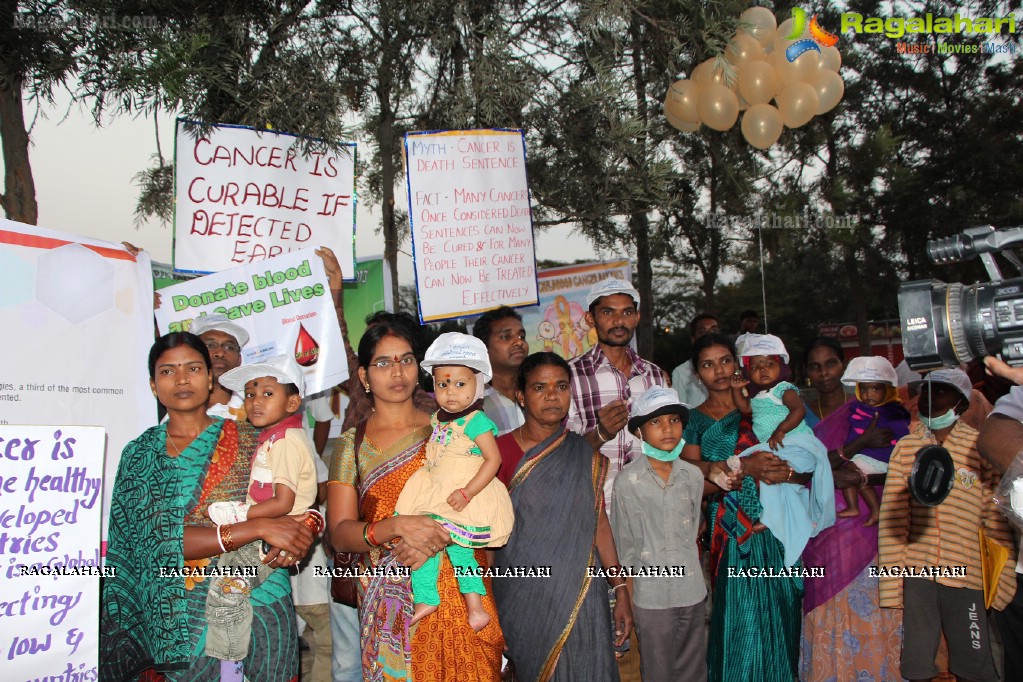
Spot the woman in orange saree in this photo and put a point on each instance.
(371, 464)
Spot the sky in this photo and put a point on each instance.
(84, 185)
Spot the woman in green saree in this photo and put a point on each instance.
(152, 613)
(755, 621)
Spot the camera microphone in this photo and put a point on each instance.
(972, 242)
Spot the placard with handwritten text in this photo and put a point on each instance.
(472, 230)
(243, 195)
(50, 502)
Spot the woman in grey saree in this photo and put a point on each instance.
(557, 627)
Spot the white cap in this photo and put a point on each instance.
(219, 322)
(654, 402)
(453, 348)
(283, 368)
(609, 287)
(872, 369)
(761, 344)
(956, 378)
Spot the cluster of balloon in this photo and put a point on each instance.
(795, 64)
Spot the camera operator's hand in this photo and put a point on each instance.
(999, 368)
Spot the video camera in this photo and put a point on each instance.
(948, 324)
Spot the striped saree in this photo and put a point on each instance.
(442, 646)
(154, 626)
(755, 622)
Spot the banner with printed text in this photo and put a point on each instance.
(558, 324)
(285, 305)
(78, 321)
(50, 512)
(472, 229)
(243, 195)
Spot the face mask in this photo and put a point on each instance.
(663, 455)
(942, 421)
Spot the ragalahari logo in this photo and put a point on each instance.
(818, 36)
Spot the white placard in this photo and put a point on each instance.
(285, 305)
(50, 487)
(472, 230)
(243, 195)
(77, 315)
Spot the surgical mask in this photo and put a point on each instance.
(941, 421)
(663, 455)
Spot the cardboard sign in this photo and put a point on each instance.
(243, 195)
(472, 229)
(78, 321)
(285, 305)
(50, 514)
(558, 324)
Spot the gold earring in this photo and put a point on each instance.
(367, 389)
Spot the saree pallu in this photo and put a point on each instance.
(755, 621)
(845, 632)
(557, 628)
(156, 624)
(442, 646)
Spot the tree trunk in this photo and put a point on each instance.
(856, 296)
(639, 223)
(388, 173)
(19, 197)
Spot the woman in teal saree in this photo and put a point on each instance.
(755, 621)
(152, 611)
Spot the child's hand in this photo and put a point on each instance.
(739, 381)
(459, 499)
(723, 476)
(775, 441)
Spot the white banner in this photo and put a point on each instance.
(77, 316)
(472, 230)
(50, 515)
(285, 305)
(243, 195)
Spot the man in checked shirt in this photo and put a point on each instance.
(605, 378)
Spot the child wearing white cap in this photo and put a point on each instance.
(793, 514)
(282, 482)
(877, 403)
(457, 485)
(655, 518)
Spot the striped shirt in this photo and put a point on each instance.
(946, 536)
(595, 383)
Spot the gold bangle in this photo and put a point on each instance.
(225, 538)
(600, 435)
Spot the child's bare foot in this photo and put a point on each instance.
(759, 527)
(478, 620)
(849, 512)
(872, 519)
(420, 612)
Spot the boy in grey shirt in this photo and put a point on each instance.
(655, 517)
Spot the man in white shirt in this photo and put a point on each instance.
(690, 389)
(224, 340)
(501, 331)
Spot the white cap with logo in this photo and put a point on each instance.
(219, 322)
(654, 402)
(872, 369)
(453, 348)
(749, 345)
(956, 378)
(283, 368)
(609, 287)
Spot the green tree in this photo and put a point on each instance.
(38, 49)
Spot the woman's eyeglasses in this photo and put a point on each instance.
(388, 363)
